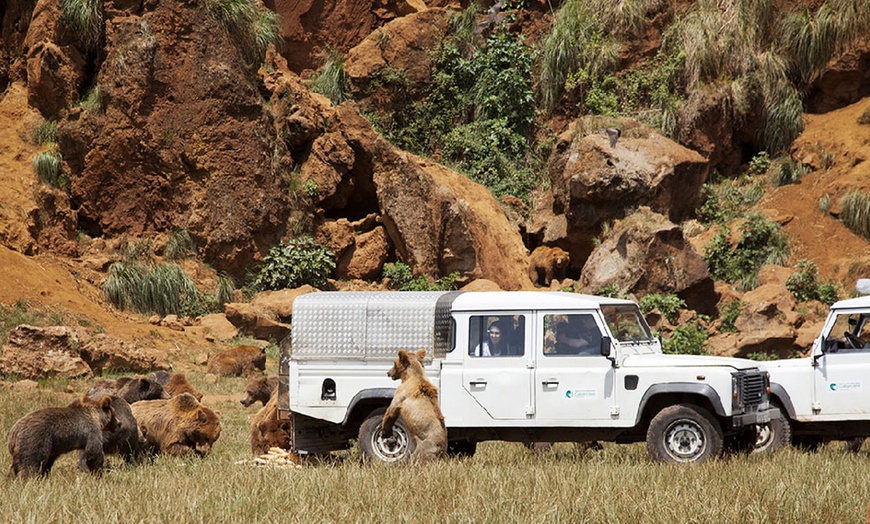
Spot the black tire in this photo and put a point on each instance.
(461, 448)
(684, 433)
(853, 445)
(374, 448)
(742, 443)
(774, 435)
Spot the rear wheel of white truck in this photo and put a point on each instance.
(684, 433)
(774, 435)
(374, 447)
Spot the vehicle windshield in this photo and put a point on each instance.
(626, 323)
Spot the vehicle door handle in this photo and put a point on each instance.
(477, 383)
(550, 383)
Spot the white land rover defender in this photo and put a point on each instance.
(822, 397)
(565, 367)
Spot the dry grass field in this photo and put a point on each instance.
(503, 482)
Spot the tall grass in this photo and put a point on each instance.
(47, 166)
(252, 26)
(503, 482)
(45, 132)
(163, 289)
(85, 18)
(332, 81)
(855, 212)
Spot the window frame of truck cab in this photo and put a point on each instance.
(556, 339)
(857, 323)
(626, 323)
(479, 325)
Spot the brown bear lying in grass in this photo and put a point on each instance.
(177, 426)
(259, 389)
(416, 401)
(175, 384)
(38, 438)
(238, 361)
(131, 389)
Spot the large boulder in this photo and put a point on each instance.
(594, 182)
(103, 352)
(35, 353)
(647, 253)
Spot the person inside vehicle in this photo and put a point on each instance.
(496, 344)
(578, 336)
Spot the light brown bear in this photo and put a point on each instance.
(175, 384)
(267, 430)
(177, 426)
(547, 264)
(238, 361)
(259, 389)
(38, 438)
(416, 401)
(131, 389)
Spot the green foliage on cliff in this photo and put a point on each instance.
(295, 263)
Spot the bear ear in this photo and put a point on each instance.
(186, 402)
(201, 416)
(421, 354)
(403, 356)
(106, 403)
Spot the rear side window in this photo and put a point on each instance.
(497, 335)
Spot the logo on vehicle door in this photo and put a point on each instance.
(845, 386)
(580, 393)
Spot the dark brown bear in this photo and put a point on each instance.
(39, 437)
(547, 264)
(177, 426)
(175, 384)
(259, 389)
(131, 389)
(124, 439)
(238, 361)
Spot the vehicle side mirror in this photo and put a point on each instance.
(605, 346)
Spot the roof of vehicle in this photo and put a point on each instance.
(529, 300)
(852, 303)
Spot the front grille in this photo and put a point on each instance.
(751, 389)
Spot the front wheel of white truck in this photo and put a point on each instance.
(774, 435)
(374, 447)
(684, 433)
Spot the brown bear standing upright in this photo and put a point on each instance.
(416, 401)
(38, 438)
(178, 426)
(175, 384)
(547, 264)
(131, 389)
(240, 360)
(259, 389)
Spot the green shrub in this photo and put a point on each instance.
(93, 101)
(728, 200)
(332, 82)
(668, 305)
(164, 289)
(252, 27)
(805, 285)
(688, 339)
(47, 166)
(611, 291)
(180, 245)
(855, 212)
(45, 132)
(402, 278)
(729, 313)
(760, 242)
(759, 164)
(789, 171)
(85, 18)
(298, 262)
(760, 356)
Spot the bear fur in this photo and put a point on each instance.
(38, 438)
(131, 389)
(267, 430)
(175, 384)
(259, 389)
(547, 264)
(416, 401)
(125, 439)
(178, 426)
(238, 361)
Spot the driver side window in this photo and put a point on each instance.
(850, 334)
